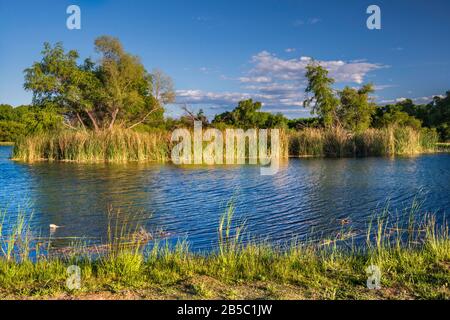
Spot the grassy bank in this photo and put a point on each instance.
(127, 145)
(414, 261)
(6, 143)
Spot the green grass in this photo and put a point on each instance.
(6, 143)
(414, 260)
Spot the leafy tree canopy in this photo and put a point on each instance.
(248, 115)
(115, 90)
(26, 120)
(356, 108)
(323, 102)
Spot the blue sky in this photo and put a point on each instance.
(221, 51)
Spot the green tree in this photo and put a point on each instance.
(125, 82)
(25, 120)
(7, 113)
(277, 120)
(247, 115)
(323, 102)
(117, 89)
(393, 116)
(356, 109)
(57, 79)
(439, 115)
(38, 119)
(11, 130)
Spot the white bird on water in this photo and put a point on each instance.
(53, 227)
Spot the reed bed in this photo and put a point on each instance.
(121, 145)
(338, 142)
(117, 145)
(414, 259)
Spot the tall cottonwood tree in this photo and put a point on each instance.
(323, 102)
(117, 90)
(351, 108)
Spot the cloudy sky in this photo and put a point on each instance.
(221, 51)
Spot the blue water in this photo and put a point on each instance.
(307, 196)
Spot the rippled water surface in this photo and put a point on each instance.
(306, 195)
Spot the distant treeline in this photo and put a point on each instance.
(27, 120)
(117, 91)
(434, 115)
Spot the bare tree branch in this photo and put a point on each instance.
(190, 114)
(69, 126)
(144, 118)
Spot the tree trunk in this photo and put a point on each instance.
(113, 118)
(81, 121)
(94, 122)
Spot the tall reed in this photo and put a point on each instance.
(121, 145)
(413, 257)
(117, 145)
(338, 142)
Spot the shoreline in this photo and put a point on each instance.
(413, 262)
(445, 150)
(301, 274)
(124, 145)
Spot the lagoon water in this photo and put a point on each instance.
(307, 197)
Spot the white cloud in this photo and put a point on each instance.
(314, 20)
(278, 83)
(290, 50)
(418, 100)
(203, 97)
(383, 86)
(429, 98)
(298, 23)
(260, 79)
(202, 19)
(268, 64)
(310, 21)
(232, 98)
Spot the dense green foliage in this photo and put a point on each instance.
(27, 120)
(352, 109)
(435, 114)
(323, 102)
(248, 114)
(122, 145)
(356, 109)
(116, 89)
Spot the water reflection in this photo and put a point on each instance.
(307, 194)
